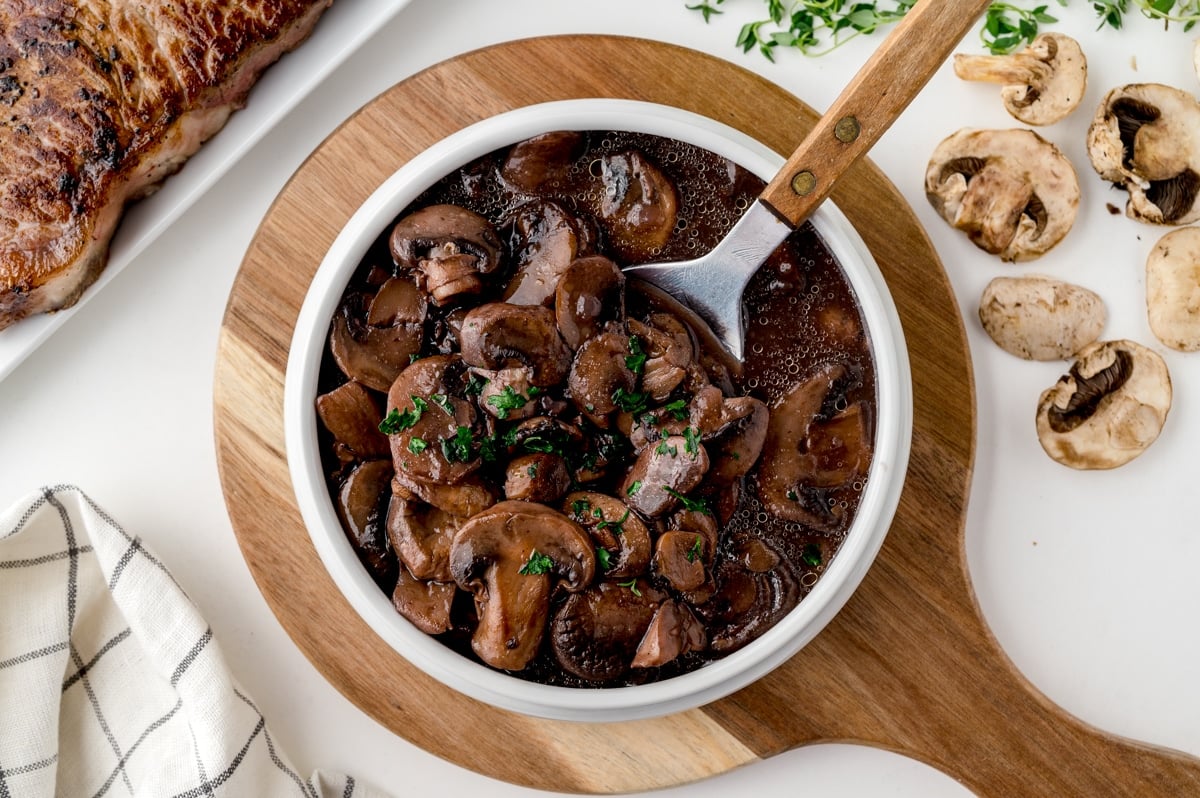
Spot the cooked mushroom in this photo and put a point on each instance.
(601, 380)
(1108, 409)
(351, 414)
(432, 431)
(508, 394)
(639, 206)
(545, 240)
(374, 337)
(1012, 192)
(679, 558)
(669, 349)
(749, 599)
(590, 295)
(595, 634)
(1146, 139)
(1173, 289)
(501, 335)
(362, 505)
(663, 473)
(735, 444)
(511, 557)
(622, 535)
(421, 535)
(471, 496)
(449, 247)
(1040, 318)
(542, 159)
(1042, 84)
(426, 605)
(538, 477)
(674, 631)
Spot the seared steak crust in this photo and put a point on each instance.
(99, 101)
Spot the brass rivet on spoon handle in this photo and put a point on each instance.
(804, 182)
(847, 129)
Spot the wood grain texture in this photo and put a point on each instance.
(908, 664)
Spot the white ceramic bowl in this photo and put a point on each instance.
(717, 679)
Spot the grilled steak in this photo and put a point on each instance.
(99, 101)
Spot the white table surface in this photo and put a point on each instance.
(1087, 579)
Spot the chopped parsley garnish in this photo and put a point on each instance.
(475, 385)
(537, 565)
(507, 401)
(417, 445)
(691, 441)
(532, 470)
(510, 438)
(697, 549)
(632, 585)
(413, 358)
(489, 449)
(616, 526)
(677, 409)
(579, 508)
(793, 495)
(662, 448)
(694, 505)
(603, 558)
(397, 422)
(811, 555)
(443, 401)
(633, 488)
(536, 443)
(635, 361)
(458, 448)
(630, 401)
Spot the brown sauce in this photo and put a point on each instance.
(801, 317)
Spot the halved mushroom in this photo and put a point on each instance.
(374, 337)
(542, 159)
(1012, 192)
(449, 247)
(1040, 318)
(736, 443)
(601, 380)
(811, 445)
(679, 558)
(1173, 289)
(434, 430)
(673, 632)
(670, 349)
(595, 634)
(754, 591)
(639, 206)
(590, 295)
(467, 498)
(545, 240)
(613, 527)
(500, 335)
(508, 394)
(1042, 84)
(538, 477)
(1108, 409)
(662, 473)
(426, 605)
(362, 507)
(1146, 139)
(421, 535)
(511, 557)
(352, 414)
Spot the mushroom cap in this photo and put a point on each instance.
(595, 634)
(449, 245)
(373, 337)
(614, 528)
(1042, 84)
(1145, 137)
(1012, 192)
(1108, 409)
(1173, 289)
(487, 558)
(639, 205)
(541, 159)
(545, 240)
(433, 381)
(673, 467)
(1040, 318)
(500, 335)
(590, 294)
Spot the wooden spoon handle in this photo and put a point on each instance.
(866, 108)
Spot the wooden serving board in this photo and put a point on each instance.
(908, 665)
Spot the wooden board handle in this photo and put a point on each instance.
(881, 90)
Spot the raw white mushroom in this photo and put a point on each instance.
(1040, 318)
(1042, 83)
(1173, 289)
(1012, 192)
(1108, 408)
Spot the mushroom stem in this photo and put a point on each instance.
(1006, 70)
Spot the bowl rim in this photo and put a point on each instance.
(714, 680)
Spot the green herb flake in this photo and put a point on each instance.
(630, 401)
(506, 401)
(443, 401)
(579, 508)
(811, 555)
(458, 448)
(417, 445)
(691, 442)
(662, 448)
(677, 409)
(532, 470)
(396, 421)
(537, 564)
(635, 361)
(694, 505)
(792, 495)
(489, 449)
(476, 384)
(603, 558)
(536, 443)
(697, 549)
(618, 527)
(632, 585)
(633, 488)
(510, 438)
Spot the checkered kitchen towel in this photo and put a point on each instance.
(110, 681)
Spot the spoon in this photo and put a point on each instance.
(712, 284)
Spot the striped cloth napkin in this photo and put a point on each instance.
(110, 680)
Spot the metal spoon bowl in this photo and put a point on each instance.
(712, 285)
